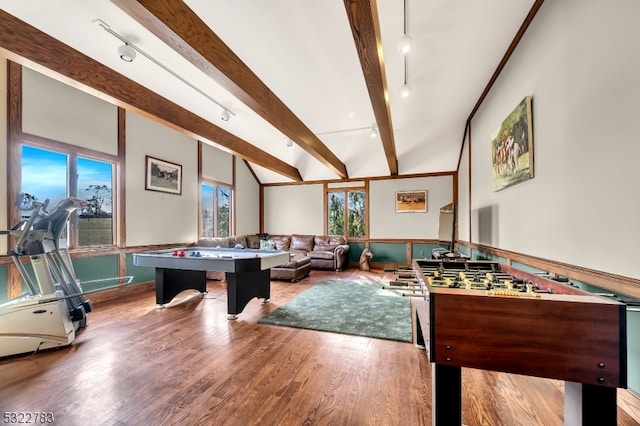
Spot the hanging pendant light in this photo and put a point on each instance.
(405, 89)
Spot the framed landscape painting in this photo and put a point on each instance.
(512, 148)
(411, 201)
(163, 176)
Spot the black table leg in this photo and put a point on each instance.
(587, 405)
(244, 286)
(447, 395)
(170, 282)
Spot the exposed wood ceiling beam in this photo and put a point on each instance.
(363, 18)
(31, 47)
(179, 27)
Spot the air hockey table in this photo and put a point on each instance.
(247, 272)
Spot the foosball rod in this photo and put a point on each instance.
(387, 287)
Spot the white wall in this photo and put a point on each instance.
(294, 209)
(578, 60)
(60, 112)
(463, 194)
(156, 217)
(299, 209)
(384, 222)
(217, 165)
(247, 204)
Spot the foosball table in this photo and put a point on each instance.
(490, 316)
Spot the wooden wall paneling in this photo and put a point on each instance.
(14, 131)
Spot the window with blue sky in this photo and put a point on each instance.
(45, 174)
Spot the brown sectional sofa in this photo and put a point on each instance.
(325, 251)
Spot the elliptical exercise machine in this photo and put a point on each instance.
(54, 308)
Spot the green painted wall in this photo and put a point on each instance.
(88, 269)
(525, 267)
(389, 252)
(107, 267)
(141, 274)
(355, 250)
(633, 350)
(422, 250)
(95, 268)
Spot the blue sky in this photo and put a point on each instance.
(44, 174)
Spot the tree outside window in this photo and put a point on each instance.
(224, 212)
(46, 174)
(347, 213)
(215, 218)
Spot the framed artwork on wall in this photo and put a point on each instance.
(411, 201)
(512, 148)
(163, 176)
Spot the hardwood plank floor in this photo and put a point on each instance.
(187, 364)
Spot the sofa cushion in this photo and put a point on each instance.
(327, 242)
(321, 254)
(214, 242)
(281, 242)
(301, 242)
(253, 241)
(298, 253)
(239, 239)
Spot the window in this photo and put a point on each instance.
(215, 201)
(55, 175)
(347, 213)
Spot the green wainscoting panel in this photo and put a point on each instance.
(526, 268)
(422, 250)
(633, 350)
(479, 255)
(389, 252)
(96, 268)
(464, 250)
(3, 283)
(355, 250)
(141, 274)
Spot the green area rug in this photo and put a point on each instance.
(358, 308)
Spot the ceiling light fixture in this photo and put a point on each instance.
(405, 89)
(405, 46)
(127, 53)
(405, 43)
(336, 132)
(406, 40)
(374, 132)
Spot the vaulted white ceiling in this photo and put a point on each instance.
(305, 53)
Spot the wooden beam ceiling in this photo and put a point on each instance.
(363, 18)
(180, 28)
(29, 46)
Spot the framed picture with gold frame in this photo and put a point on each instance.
(411, 201)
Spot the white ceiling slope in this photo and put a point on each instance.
(304, 51)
